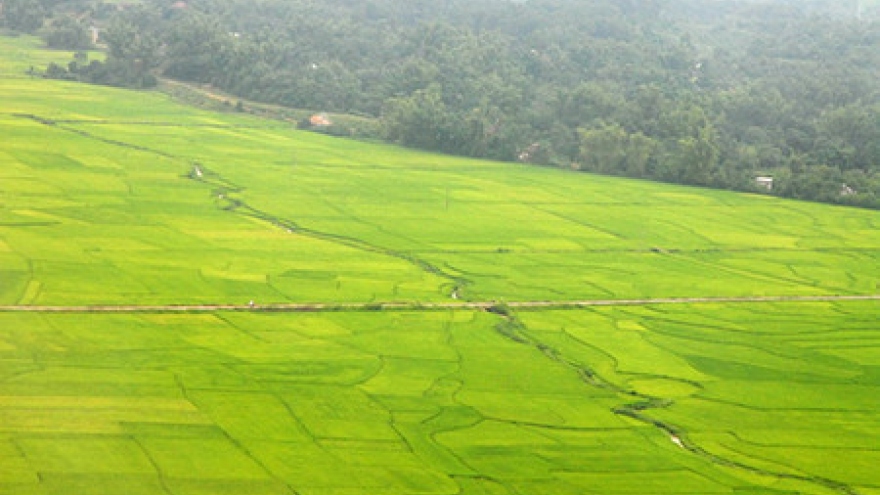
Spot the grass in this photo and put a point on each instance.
(129, 198)
(416, 402)
(772, 387)
(103, 191)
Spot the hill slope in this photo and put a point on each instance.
(114, 197)
(697, 92)
(104, 168)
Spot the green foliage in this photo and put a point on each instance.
(23, 15)
(422, 121)
(67, 33)
(612, 150)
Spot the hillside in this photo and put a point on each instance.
(700, 92)
(118, 200)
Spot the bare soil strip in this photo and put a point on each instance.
(426, 306)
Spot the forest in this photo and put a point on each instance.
(774, 96)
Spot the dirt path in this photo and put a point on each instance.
(428, 306)
(212, 95)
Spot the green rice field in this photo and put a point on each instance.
(128, 199)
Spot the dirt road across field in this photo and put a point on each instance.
(425, 306)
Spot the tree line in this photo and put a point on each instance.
(688, 91)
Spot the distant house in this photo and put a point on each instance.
(527, 154)
(764, 182)
(320, 120)
(95, 34)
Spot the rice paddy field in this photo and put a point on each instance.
(124, 199)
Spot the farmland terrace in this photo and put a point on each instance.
(196, 303)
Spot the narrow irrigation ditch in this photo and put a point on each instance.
(511, 327)
(224, 190)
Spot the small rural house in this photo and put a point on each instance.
(765, 182)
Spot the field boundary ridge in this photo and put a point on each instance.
(422, 306)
